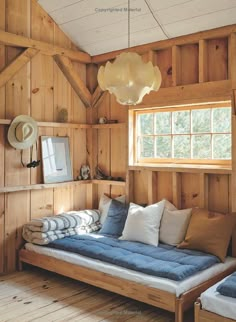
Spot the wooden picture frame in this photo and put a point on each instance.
(56, 159)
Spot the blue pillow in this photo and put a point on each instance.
(116, 217)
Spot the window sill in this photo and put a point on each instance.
(190, 168)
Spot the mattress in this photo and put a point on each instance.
(174, 287)
(214, 302)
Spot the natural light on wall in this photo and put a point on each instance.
(196, 134)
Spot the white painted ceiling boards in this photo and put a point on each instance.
(99, 26)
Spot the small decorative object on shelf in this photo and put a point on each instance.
(63, 115)
(84, 173)
(100, 175)
(104, 120)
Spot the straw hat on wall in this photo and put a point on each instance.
(23, 132)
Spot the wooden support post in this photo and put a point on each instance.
(129, 186)
(233, 175)
(176, 182)
(203, 61)
(152, 187)
(232, 60)
(176, 65)
(197, 307)
(179, 314)
(203, 190)
(9, 71)
(72, 76)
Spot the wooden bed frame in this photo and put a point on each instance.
(201, 315)
(152, 296)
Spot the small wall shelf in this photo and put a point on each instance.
(53, 124)
(59, 185)
(110, 182)
(43, 186)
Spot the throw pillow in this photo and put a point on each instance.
(169, 205)
(115, 220)
(174, 225)
(209, 232)
(142, 224)
(104, 205)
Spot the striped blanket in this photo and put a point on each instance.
(65, 220)
(43, 231)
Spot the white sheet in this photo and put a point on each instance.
(157, 282)
(214, 302)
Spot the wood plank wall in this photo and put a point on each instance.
(190, 63)
(39, 89)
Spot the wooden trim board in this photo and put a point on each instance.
(152, 296)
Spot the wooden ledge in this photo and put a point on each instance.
(59, 185)
(53, 124)
(189, 168)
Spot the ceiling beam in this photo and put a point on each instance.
(163, 44)
(9, 39)
(9, 71)
(73, 78)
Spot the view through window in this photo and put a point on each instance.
(178, 135)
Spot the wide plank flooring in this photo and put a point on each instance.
(38, 295)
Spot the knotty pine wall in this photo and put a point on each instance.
(39, 90)
(190, 67)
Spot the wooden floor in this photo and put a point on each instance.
(37, 295)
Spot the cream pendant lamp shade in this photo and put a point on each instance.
(129, 78)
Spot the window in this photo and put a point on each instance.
(197, 134)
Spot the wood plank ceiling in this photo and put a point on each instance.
(99, 26)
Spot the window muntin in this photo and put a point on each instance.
(201, 135)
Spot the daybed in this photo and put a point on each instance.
(215, 307)
(172, 295)
(160, 292)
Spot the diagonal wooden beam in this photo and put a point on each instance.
(10, 39)
(72, 76)
(9, 71)
(97, 96)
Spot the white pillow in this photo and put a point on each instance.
(174, 224)
(104, 205)
(142, 224)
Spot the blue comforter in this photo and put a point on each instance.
(162, 261)
(228, 287)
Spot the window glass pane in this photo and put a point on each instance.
(163, 122)
(221, 146)
(201, 145)
(163, 146)
(181, 146)
(146, 123)
(201, 121)
(221, 119)
(147, 147)
(181, 122)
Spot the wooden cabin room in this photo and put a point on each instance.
(118, 160)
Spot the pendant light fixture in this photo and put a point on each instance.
(128, 77)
